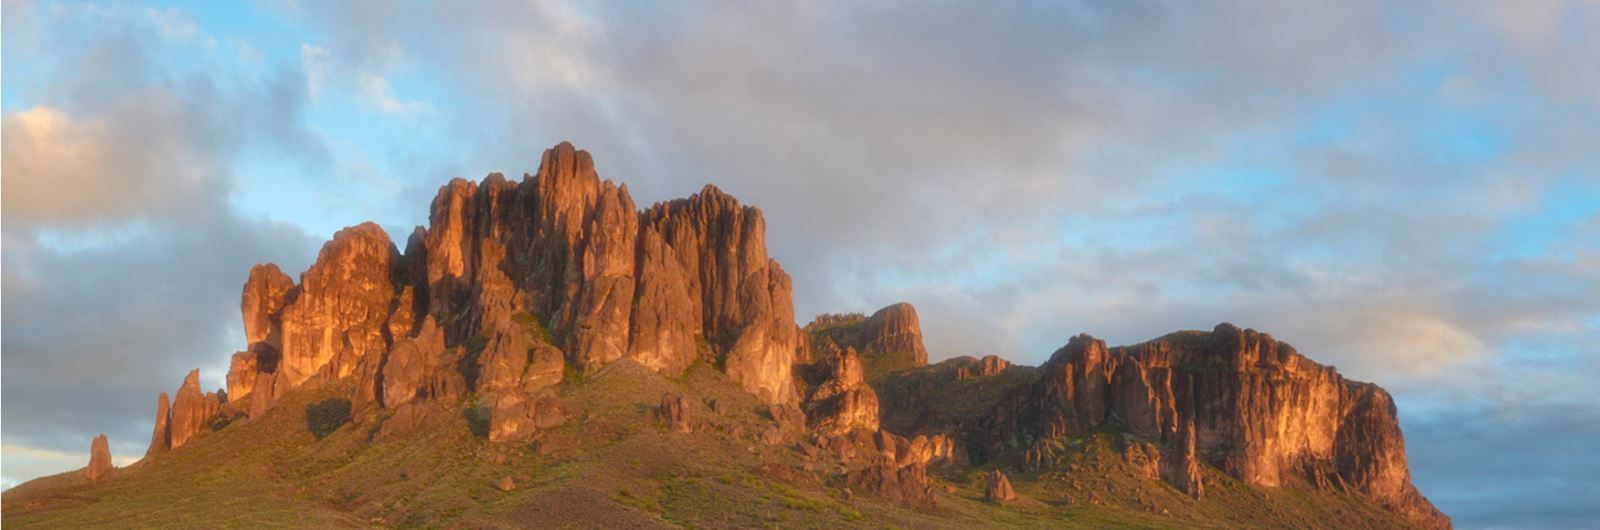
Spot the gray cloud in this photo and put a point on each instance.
(123, 259)
(1021, 173)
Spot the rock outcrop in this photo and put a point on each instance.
(99, 459)
(843, 401)
(674, 412)
(1182, 467)
(340, 307)
(1256, 408)
(511, 286)
(998, 489)
(898, 468)
(161, 437)
(192, 410)
(190, 414)
(888, 341)
(988, 366)
(895, 331)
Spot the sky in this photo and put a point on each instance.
(1409, 191)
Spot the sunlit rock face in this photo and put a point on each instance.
(512, 285)
(1252, 405)
(340, 307)
(895, 330)
(99, 459)
(843, 402)
(191, 413)
(516, 286)
(160, 438)
(888, 341)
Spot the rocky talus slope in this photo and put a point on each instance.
(545, 349)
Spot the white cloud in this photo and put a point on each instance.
(375, 92)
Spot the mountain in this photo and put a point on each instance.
(544, 353)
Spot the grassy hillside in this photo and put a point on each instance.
(610, 466)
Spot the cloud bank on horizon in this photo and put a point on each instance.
(1408, 191)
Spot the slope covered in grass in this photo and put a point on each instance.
(610, 466)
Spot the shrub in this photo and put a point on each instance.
(324, 417)
(533, 326)
(468, 365)
(477, 419)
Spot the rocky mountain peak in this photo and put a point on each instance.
(518, 293)
(513, 285)
(1233, 398)
(895, 330)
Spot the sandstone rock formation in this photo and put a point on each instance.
(843, 401)
(99, 459)
(999, 488)
(888, 341)
(674, 411)
(243, 371)
(745, 298)
(190, 414)
(891, 466)
(161, 437)
(266, 292)
(895, 330)
(340, 307)
(1182, 468)
(516, 286)
(1258, 409)
(988, 366)
(509, 285)
(191, 410)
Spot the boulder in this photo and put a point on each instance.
(512, 416)
(998, 489)
(1144, 458)
(674, 411)
(843, 401)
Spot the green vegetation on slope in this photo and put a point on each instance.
(609, 466)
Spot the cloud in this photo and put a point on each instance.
(1028, 173)
(123, 259)
(1356, 177)
(1405, 191)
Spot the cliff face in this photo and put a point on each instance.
(888, 341)
(1236, 399)
(512, 283)
(514, 287)
(190, 414)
